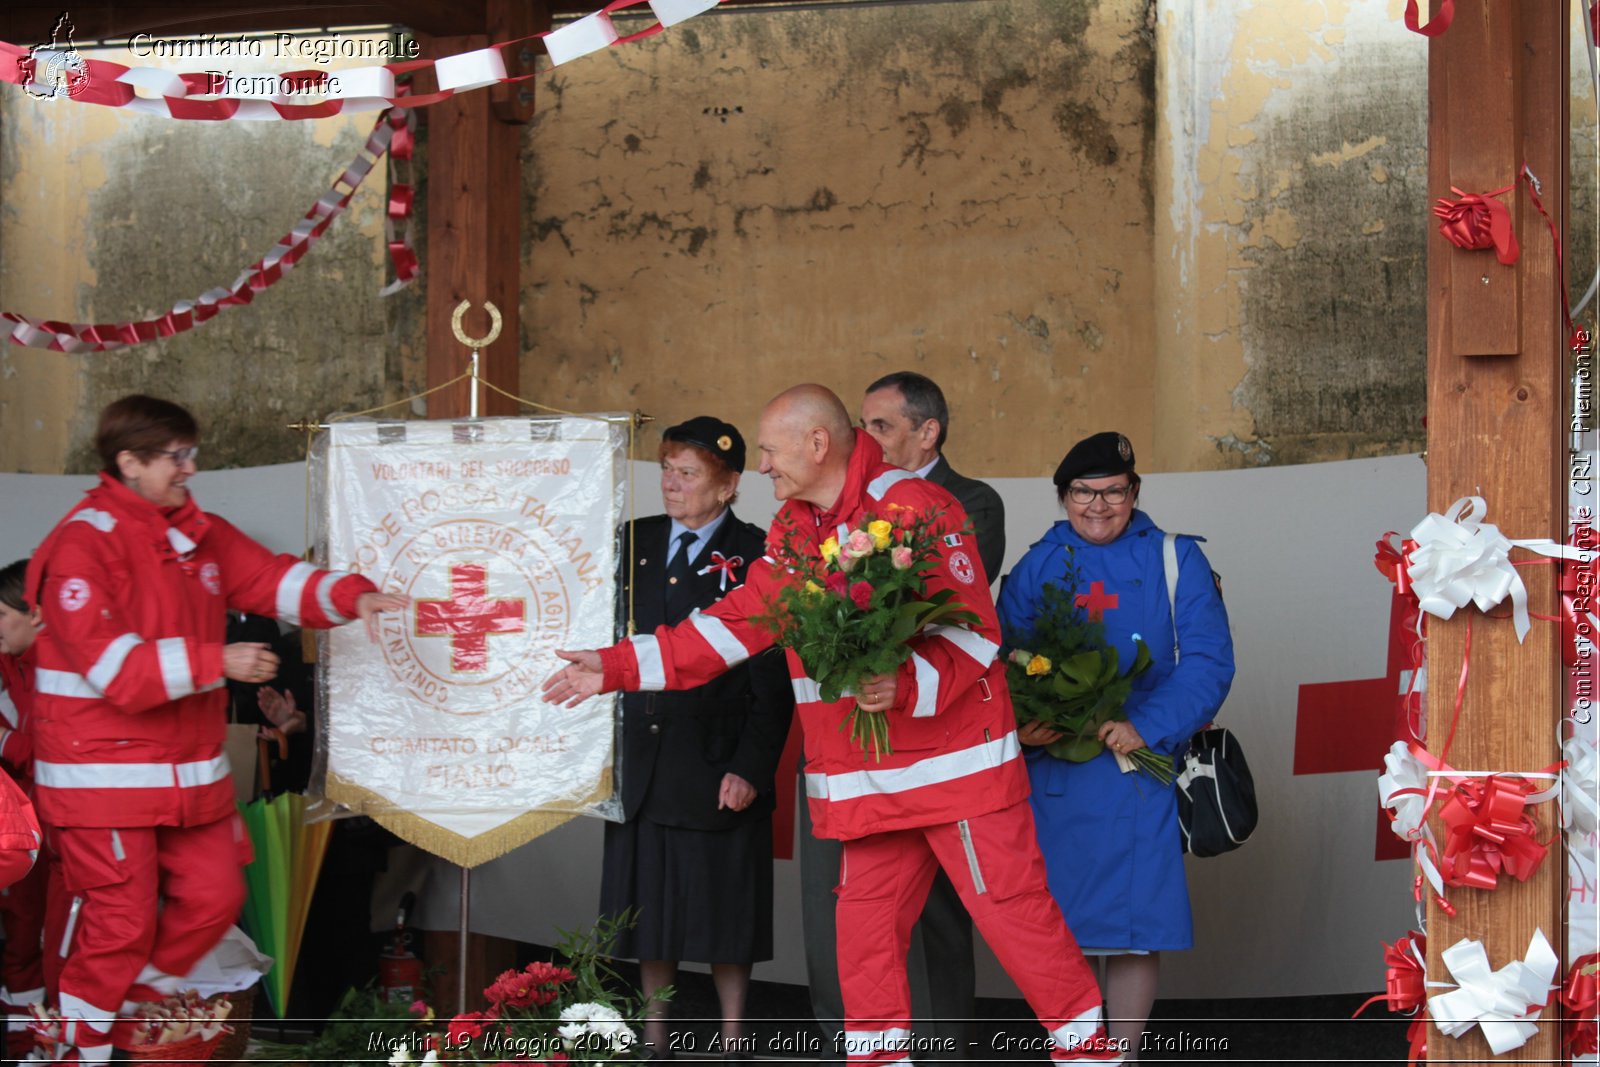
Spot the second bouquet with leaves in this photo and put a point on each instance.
(1070, 678)
(854, 605)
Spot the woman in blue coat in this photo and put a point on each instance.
(1110, 839)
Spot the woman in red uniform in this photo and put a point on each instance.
(131, 782)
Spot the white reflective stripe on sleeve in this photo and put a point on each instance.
(209, 686)
(103, 521)
(806, 691)
(1082, 1027)
(204, 772)
(981, 650)
(8, 709)
(290, 588)
(866, 1042)
(652, 671)
(927, 688)
(883, 482)
(325, 596)
(945, 767)
(64, 684)
(180, 541)
(110, 662)
(816, 785)
(720, 638)
(173, 654)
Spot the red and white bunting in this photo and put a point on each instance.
(389, 131)
(320, 94)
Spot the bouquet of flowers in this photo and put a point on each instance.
(548, 1013)
(854, 604)
(1070, 680)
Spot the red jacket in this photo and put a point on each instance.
(129, 706)
(16, 709)
(953, 733)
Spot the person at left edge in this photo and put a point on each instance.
(130, 778)
(694, 858)
(22, 902)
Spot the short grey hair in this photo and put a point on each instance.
(924, 399)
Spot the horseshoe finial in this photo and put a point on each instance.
(461, 335)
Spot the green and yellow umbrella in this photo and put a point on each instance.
(281, 881)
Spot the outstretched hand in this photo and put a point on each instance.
(582, 678)
(370, 605)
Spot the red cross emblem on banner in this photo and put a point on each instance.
(1096, 600)
(1348, 726)
(469, 617)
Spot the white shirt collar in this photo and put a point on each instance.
(702, 538)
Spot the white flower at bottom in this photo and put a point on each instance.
(587, 1018)
(431, 1057)
(400, 1056)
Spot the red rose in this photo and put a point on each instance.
(837, 584)
(861, 595)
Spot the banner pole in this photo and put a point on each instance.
(461, 947)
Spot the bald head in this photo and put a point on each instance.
(805, 442)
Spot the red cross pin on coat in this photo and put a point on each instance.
(469, 617)
(1097, 600)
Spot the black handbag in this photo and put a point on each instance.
(1216, 795)
(1217, 809)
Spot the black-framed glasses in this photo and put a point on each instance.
(180, 456)
(1111, 494)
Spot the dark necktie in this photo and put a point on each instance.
(680, 595)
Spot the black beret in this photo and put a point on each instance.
(719, 438)
(1099, 456)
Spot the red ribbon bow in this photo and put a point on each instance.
(1403, 975)
(1438, 24)
(1489, 832)
(1580, 997)
(1393, 562)
(724, 564)
(1478, 221)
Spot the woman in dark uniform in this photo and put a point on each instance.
(694, 858)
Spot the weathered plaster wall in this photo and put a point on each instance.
(1292, 229)
(108, 215)
(757, 199)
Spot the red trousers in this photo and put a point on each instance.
(22, 918)
(995, 864)
(149, 901)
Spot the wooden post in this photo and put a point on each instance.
(474, 250)
(1498, 89)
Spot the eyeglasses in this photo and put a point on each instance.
(1111, 494)
(180, 456)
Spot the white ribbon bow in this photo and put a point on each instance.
(1461, 559)
(1503, 1003)
(1402, 770)
(1580, 785)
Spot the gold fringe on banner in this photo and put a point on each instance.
(447, 844)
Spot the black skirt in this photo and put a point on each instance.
(701, 896)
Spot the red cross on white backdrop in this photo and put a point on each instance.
(1096, 600)
(1349, 726)
(469, 617)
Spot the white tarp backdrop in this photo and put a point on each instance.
(503, 534)
(1300, 910)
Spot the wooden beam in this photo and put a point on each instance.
(474, 240)
(512, 20)
(1495, 429)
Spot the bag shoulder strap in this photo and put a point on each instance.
(1169, 565)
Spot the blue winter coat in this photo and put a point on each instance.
(1110, 840)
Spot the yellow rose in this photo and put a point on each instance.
(1038, 665)
(813, 589)
(830, 549)
(880, 530)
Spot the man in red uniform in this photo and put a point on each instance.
(953, 791)
(22, 903)
(130, 711)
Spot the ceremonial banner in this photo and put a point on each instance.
(502, 533)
